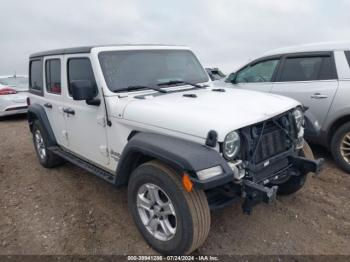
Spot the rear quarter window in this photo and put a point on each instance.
(36, 77)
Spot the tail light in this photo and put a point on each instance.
(28, 101)
(7, 91)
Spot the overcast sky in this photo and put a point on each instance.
(223, 33)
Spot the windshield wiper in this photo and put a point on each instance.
(176, 82)
(140, 87)
(159, 89)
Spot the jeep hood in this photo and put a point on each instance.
(206, 110)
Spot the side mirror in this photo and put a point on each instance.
(82, 90)
(231, 78)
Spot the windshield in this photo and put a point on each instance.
(18, 83)
(123, 69)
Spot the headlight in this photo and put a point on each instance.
(299, 118)
(231, 145)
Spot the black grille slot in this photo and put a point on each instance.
(271, 143)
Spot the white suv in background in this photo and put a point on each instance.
(318, 76)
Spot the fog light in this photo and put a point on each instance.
(209, 172)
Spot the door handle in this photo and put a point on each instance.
(319, 96)
(68, 110)
(48, 105)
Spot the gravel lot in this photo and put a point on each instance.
(67, 211)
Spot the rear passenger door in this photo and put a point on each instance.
(310, 78)
(44, 73)
(53, 103)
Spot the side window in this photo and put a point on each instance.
(259, 72)
(80, 69)
(36, 76)
(347, 54)
(307, 69)
(53, 76)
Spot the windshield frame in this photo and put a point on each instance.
(205, 76)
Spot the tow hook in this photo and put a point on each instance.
(254, 194)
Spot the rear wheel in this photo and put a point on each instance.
(172, 220)
(340, 147)
(45, 156)
(295, 183)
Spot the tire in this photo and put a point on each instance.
(295, 183)
(337, 143)
(191, 209)
(46, 157)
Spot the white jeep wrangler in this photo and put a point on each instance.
(148, 117)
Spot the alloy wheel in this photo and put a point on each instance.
(345, 148)
(40, 145)
(156, 211)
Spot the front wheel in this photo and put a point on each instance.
(172, 220)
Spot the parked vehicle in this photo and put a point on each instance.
(215, 74)
(317, 75)
(147, 117)
(13, 95)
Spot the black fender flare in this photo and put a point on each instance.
(182, 155)
(37, 112)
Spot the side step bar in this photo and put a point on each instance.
(110, 178)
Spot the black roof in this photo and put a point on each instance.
(82, 49)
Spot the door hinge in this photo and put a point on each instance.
(65, 135)
(101, 120)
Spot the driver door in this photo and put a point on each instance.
(258, 75)
(86, 126)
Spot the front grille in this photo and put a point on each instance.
(264, 141)
(267, 146)
(271, 143)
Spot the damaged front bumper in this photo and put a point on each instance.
(305, 165)
(254, 192)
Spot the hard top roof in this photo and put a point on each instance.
(87, 49)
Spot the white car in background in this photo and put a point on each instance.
(13, 95)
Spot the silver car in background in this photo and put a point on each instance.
(13, 95)
(318, 76)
